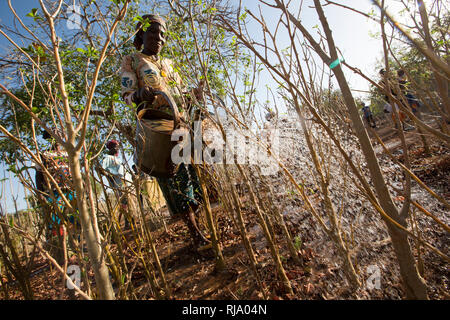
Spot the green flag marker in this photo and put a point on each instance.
(336, 62)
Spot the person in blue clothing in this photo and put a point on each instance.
(368, 116)
(412, 101)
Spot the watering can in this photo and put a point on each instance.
(153, 139)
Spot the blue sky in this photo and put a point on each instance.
(350, 30)
(22, 7)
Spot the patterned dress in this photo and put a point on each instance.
(56, 162)
(138, 70)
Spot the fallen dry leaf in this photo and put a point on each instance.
(309, 288)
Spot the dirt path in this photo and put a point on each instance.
(389, 135)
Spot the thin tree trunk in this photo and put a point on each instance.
(220, 262)
(104, 288)
(441, 82)
(414, 284)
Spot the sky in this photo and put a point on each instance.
(9, 184)
(350, 30)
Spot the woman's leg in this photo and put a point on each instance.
(180, 197)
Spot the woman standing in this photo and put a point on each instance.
(141, 74)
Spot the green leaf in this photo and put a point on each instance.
(32, 13)
(297, 243)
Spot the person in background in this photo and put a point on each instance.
(112, 164)
(411, 100)
(389, 86)
(368, 116)
(55, 160)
